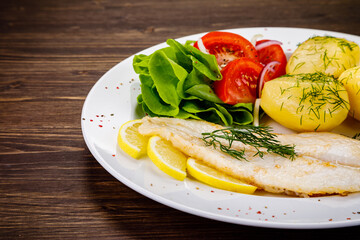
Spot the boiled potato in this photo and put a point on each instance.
(327, 55)
(306, 102)
(351, 80)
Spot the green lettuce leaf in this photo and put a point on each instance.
(176, 81)
(166, 75)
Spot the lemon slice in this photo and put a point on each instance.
(216, 178)
(130, 140)
(167, 158)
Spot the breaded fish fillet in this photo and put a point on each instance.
(304, 176)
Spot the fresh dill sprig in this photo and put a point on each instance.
(255, 136)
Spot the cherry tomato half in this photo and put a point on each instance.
(227, 47)
(269, 54)
(239, 81)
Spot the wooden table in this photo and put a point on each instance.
(51, 54)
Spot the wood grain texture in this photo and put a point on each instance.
(51, 54)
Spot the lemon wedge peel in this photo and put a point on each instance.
(131, 141)
(167, 158)
(217, 179)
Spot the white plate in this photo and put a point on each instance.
(112, 101)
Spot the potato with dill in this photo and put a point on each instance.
(351, 80)
(306, 102)
(329, 55)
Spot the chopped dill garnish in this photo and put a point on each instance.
(315, 77)
(356, 136)
(345, 44)
(299, 65)
(342, 43)
(282, 91)
(315, 98)
(299, 109)
(326, 60)
(255, 136)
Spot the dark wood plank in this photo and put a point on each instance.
(51, 54)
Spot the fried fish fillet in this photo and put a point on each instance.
(326, 146)
(304, 176)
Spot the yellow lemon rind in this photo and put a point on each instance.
(126, 146)
(155, 157)
(230, 184)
